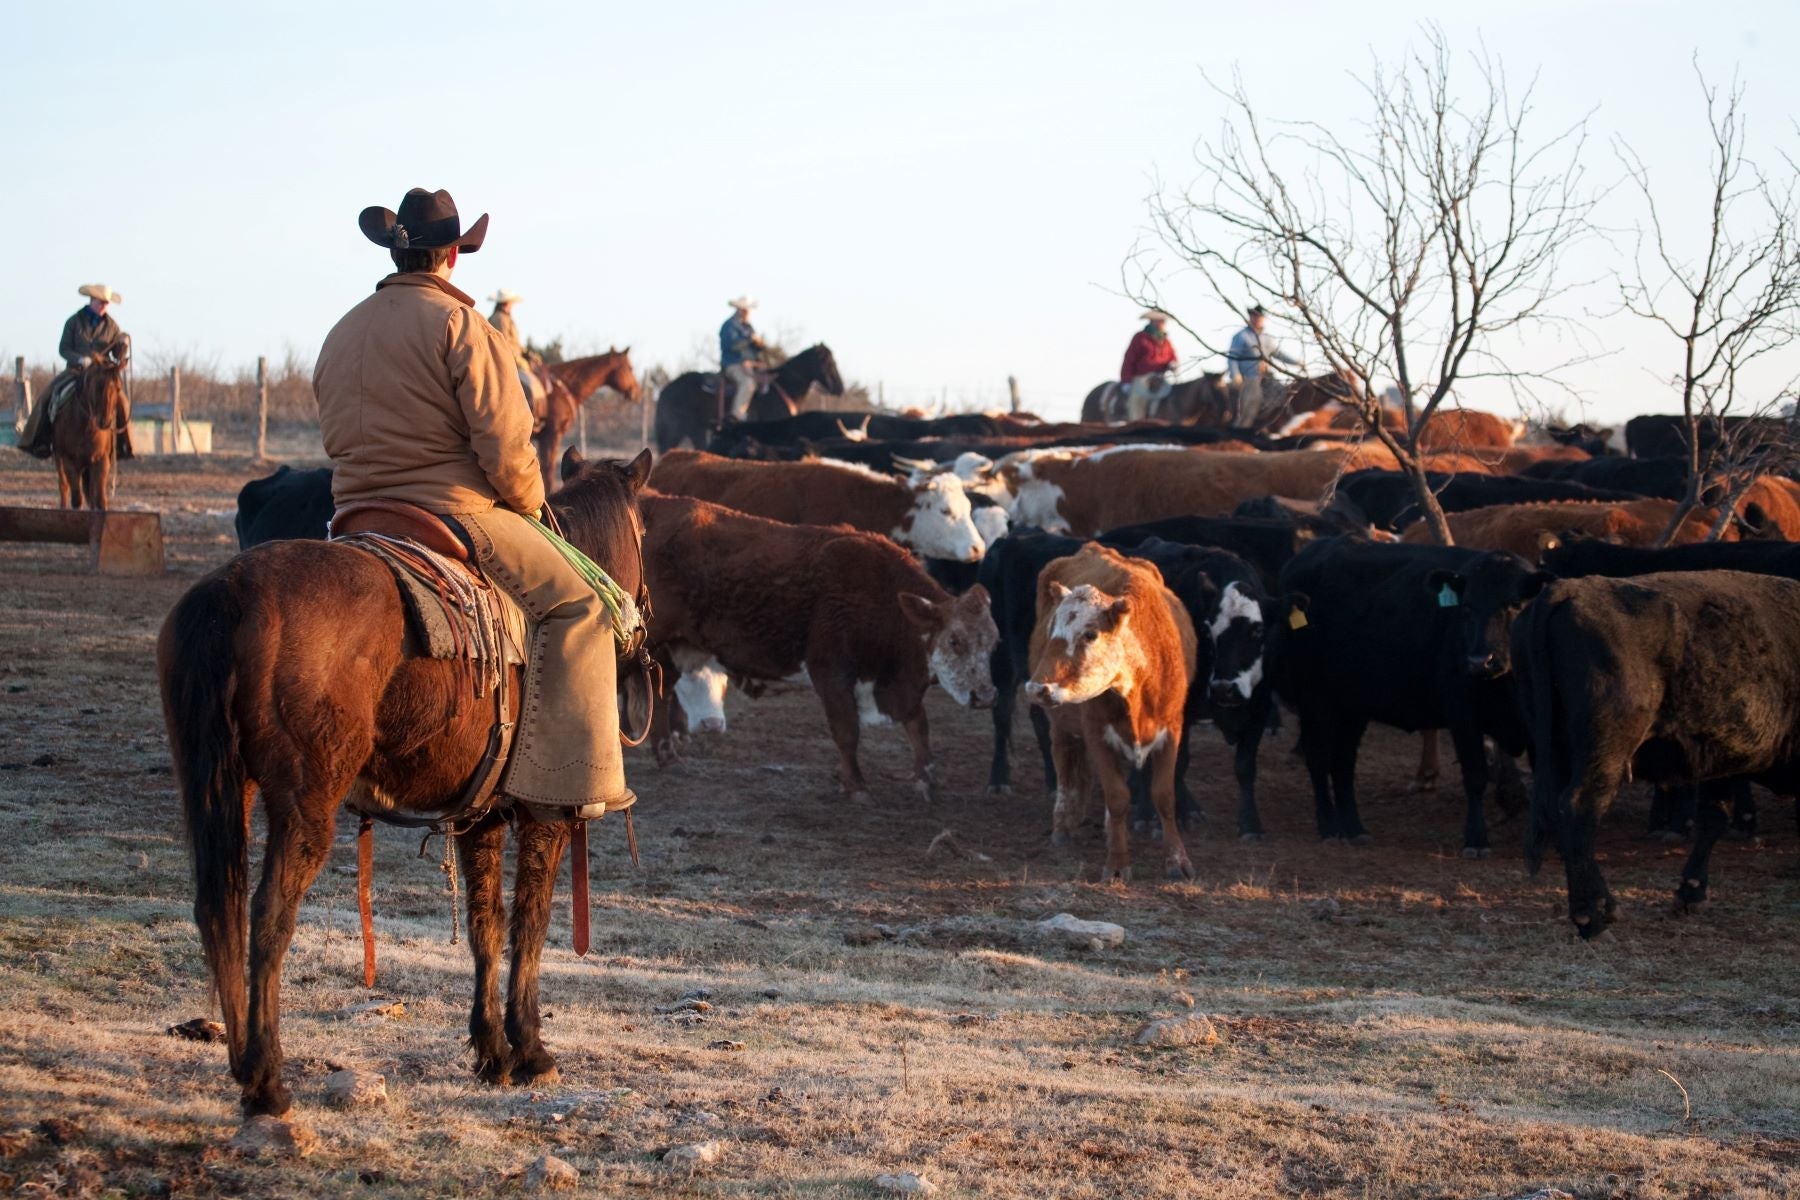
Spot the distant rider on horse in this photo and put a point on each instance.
(88, 336)
(1247, 363)
(1148, 361)
(740, 353)
(502, 319)
(419, 402)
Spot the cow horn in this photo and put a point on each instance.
(924, 465)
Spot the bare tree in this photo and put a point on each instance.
(1727, 300)
(1413, 247)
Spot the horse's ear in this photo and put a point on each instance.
(638, 471)
(612, 349)
(572, 463)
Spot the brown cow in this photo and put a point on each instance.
(1112, 657)
(1525, 529)
(1467, 429)
(850, 612)
(1772, 507)
(930, 514)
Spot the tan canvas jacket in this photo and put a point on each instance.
(419, 400)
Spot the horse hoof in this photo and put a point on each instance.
(544, 1073)
(1477, 851)
(1140, 827)
(1363, 839)
(1117, 876)
(275, 1100)
(1181, 870)
(926, 793)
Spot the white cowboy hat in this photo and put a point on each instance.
(743, 302)
(1153, 314)
(504, 296)
(100, 292)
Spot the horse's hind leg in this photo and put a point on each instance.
(483, 853)
(65, 484)
(541, 847)
(300, 828)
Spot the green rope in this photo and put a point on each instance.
(626, 620)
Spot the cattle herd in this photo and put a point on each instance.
(1134, 581)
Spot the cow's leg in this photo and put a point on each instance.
(1142, 809)
(1244, 766)
(1426, 778)
(1672, 811)
(1343, 783)
(1162, 770)
(1188, 815)
(663, 725)
(1114, 774)
(1743, 809)
(1318, 736)
(482, 852)
(1006, 698)
(1712, 818)
(1591, 904)
(1509, 785)
(1471, 756)
(300, 828)
(838, 694)
(1040, 728)
(918, 733)
(541, 845)
(1071, 776)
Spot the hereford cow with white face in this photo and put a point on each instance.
(1112, 658)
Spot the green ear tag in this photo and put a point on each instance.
(1447, 597)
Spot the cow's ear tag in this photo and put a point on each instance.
(1296, 619)
(1447, 597)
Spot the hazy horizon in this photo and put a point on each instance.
(945, 194)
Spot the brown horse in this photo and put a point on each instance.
(83, 434)
(567, 386)
(289, 671)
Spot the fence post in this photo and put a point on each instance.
(262, 407)
(1012, 391)
(581, 430)
(174, 408)
(21, 391)
(644, 406)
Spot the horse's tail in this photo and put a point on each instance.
(196, 661)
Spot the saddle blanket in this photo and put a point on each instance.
(451, 612)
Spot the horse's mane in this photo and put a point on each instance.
(596, 509)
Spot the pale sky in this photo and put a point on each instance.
(943, 192)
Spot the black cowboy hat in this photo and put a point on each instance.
(1255, 310)
(426, 221)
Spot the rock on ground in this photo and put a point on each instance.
(272, 1137)
(1086, 934)
(551, 1174)
(1189, 1029)
(906, 1184)
(374, 1008)
(694, 1154)
(355, 1089)
(198, 1030)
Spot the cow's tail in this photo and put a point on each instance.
(1549, 757)
(196, 660)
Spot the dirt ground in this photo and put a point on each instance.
(1393, 1020)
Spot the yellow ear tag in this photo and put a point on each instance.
(1296, 619)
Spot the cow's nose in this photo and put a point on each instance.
(1225, 695)
(713, 725)
(1037, 693)
(1486, 665)
(972, 554)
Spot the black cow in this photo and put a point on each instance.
(1386, 499)
(1266, 545)
(1236, 622)
(1657, 478)
(287, 504)
(1675, 809)
(1677, 678)
(1657, 435)
(822, 426)
(1409, 636)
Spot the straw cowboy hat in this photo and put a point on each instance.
(743, 302)
(100, 292)
(426, 221)
(1153, 314)
(503, 296)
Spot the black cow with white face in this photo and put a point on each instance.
(1410, 636)
(1673, 679)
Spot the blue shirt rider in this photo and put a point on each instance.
(739, 352)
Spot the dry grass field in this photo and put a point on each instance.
(1392, 1020)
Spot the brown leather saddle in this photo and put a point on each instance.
(397, 518)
